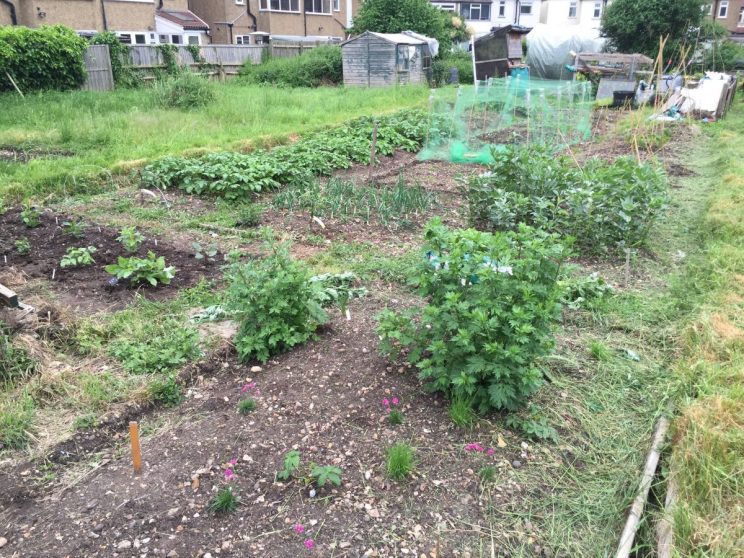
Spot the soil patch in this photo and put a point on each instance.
(12, 154)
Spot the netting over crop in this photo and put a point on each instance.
(465, 128)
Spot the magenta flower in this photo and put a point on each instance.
(299, 528)
(245, 388)
(385, 402)
(474, 447)
(229, 474)
(233, 461)
(490, 451)
(309, 544)
(396, 400)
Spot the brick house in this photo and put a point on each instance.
(257, 21)
(730, 14)
(135, 21)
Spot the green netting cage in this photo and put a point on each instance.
(466, 124)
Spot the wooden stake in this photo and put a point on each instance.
(627, 267)
(14, 85)
(136, 450)
(373, 150)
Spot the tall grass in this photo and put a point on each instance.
(120, 130)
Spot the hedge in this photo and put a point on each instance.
(50, 57)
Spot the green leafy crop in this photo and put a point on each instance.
(78, 257)
(138, 270)
(130, 238)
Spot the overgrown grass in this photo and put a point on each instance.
(707, 462)
(400, 461)
(121, 130)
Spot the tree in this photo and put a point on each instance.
(394, 16)
(636, 25)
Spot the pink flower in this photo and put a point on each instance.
(233, 461)
(299, 528)
(474, 447)
(309, 544)
(490, 451)
(385, 402)
(245, 388)
(396, 400)
(229, 474)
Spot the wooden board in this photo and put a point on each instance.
(8, 297)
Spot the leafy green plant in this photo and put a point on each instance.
(169, 54)
(166, 391)
(395, 417)
(533, 424)
(75, 229)
(275, 303)
(487, 473)
(249, 215)
(400, 461)
(206, 253)
(185, 91)
(291, 465)
(326, 473)
(581, 291)
(84, 422)
(158, 348)
(15, 363)
(491, 303)
(151, 270)
(124, 74)
(441, 68)
(225, 501)
(16, 421)
(23, 246)
(246, 405)
(604, 207)
(316, 66)
(78, 257)
(31, 217)
(130, 238)
(461, 412)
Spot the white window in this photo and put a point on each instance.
(447, 7)
(336, 5)
(502, 8)
(242, 39)
(176, 39)
(193, 39)
(240, 2)
(525, 8)
(572, 10)
(280, 5)
(318, 6)
(475, 11)
(597, 10)
(741, 17)
(723, 9)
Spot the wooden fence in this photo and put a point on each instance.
(98, 65)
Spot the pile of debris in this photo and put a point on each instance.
(707, 100)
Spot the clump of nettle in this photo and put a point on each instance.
(491, 301)
(312, 475)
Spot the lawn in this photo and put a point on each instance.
(77, 139)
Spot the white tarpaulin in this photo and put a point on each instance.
(433, 43)
(549, 48)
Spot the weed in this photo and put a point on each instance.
(84, 422)
(75, 229)
(78, 257)
(487, 473)
(166, 391)
(533, 424)
(23, 246)
(31, 217)
(461, 412)
(249, 215)
(246, 405)
(206, 253)
(225, 501)
(16, 418)
(156, 347)
(138, 270)
(186, 91)
(130, 238)
(291, 464)
(600, 351)
(15, 363)
(400, 461)
(395, 417)
(326, 473)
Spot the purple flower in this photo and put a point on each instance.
(245, 388)
(229, 474)
(386, 402)
(299, 528)
(396, 400)
(490, 451)
(233, 461)
(474, 447)
(309, 544)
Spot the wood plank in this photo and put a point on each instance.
(8, 297)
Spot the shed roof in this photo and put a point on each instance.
(502, 31)
(185, 18)
(396, 38)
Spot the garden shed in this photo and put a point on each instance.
(380, 59)
(497, 53)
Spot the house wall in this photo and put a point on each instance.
(732, 21)
(556, 12)
(219, 14)
(512, 14)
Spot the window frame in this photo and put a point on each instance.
(528, 6)
(265, 6)
(240, 2)
(597, 11)
(573, 6)
(481, 7)
(336, 7)
(448, 7)
(502, 8)
(314, 3)
(723, 9)
(740, 23)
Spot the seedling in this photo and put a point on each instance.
(78, 257)
(395, 417)
(291, 464)
(23, 246)
(400, 461)
(247, 405)
(207, 253)
(75, 229)
(31, 217)
(130, 238)
(224, 502)
(151, 270)
(326, 473)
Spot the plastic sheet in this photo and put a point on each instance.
(549, 48)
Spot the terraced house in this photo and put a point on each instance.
(730, 14)
(483, 16)
(258, 21)
(135, 21)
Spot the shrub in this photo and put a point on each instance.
(491, 301)
(319, 66)
(441, 68)
(400, 461)
(47, 58)
(603, 206)
(138, 270)
(185, 91)
(275, 302)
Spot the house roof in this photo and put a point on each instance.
(185, 18)
(501, 31)
(396, 38)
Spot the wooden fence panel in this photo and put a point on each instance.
(98, 67)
